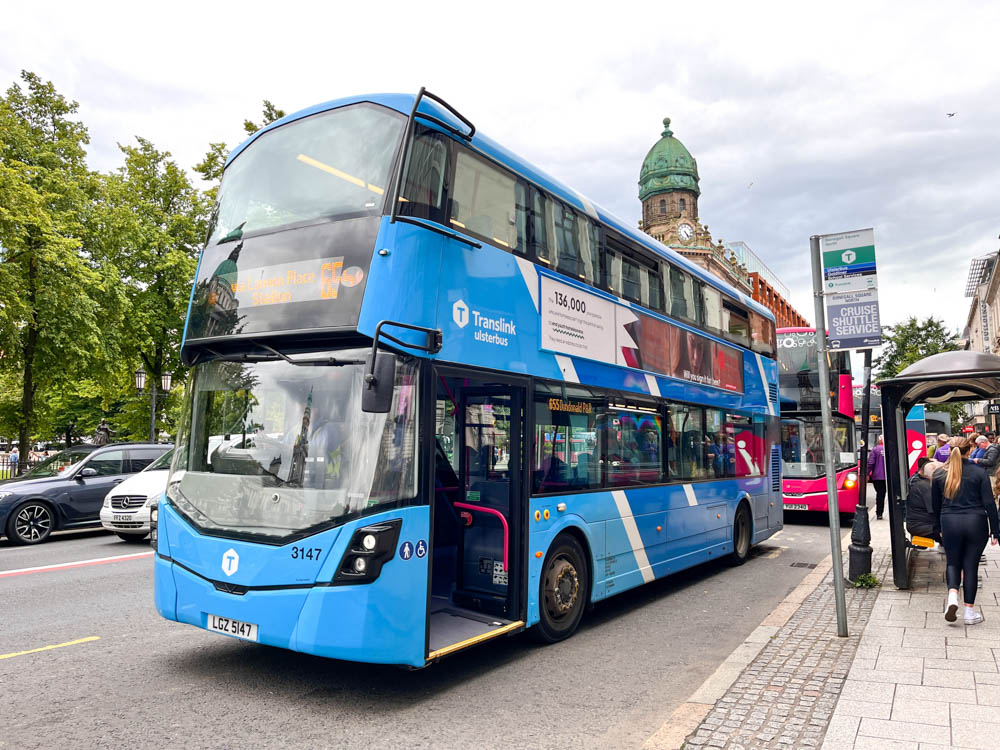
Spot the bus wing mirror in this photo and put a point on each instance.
(380, 377)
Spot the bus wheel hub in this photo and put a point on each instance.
(563, 588)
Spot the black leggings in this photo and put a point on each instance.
(879, 485)
(965, 536)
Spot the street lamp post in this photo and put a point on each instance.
(140, 382)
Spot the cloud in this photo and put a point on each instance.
(837, 116)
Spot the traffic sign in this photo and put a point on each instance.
(849, 261)
(853, 320)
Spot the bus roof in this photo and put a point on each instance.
(403, 103)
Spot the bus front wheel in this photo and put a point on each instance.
(563, 590)
(741, 535)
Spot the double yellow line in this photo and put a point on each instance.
(49, 648)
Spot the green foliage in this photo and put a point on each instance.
(95, 271)
(270, 114)
(866, 581)
(911, 341)
(52, 287)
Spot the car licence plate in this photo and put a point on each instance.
(796, 506)
(125, 517)
(229, 626)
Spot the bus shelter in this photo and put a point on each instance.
(949, 377)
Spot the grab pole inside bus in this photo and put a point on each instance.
(832, 504)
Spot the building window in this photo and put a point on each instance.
(663, 206)
(683, 205)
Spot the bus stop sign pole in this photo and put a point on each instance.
(833, 507)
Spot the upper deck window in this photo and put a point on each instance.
(483, 201)
(334, 164)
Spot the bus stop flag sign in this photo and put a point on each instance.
(850, 289)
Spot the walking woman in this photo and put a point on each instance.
(962, 498)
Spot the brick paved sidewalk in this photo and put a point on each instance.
(904, 679)
(917, 681)
(786, 697)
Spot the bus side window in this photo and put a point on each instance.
(762, 335)
(484, 201)
(686, 457)
(735, 323)
(542, 229)
(423, 186)
(521, 207)
(711, 308)
(682, 296)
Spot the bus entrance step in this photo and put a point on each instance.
(457, 627)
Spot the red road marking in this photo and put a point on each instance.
(77, 564)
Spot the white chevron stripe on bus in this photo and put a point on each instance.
(632, 532)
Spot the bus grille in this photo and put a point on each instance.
(775, 469)
(772, 393)
(127, 502)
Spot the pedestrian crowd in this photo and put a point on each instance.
(952, 499)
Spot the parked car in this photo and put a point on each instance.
(66, 490)
(126, 507)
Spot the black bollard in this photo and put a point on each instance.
(859, 552)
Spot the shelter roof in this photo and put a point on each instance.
(949, 376)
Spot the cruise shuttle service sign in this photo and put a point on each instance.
(576, 322)
(850, 290)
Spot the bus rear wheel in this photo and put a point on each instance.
(563, 590)
(741, 535)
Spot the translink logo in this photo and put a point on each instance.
(849, 256)
(460, 314)
(230, 561)
(489, 330)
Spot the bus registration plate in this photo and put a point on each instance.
(796, 506)
(245, 630)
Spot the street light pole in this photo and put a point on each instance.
(140, 382)
(152, 409)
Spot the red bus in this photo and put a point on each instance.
(803, 457)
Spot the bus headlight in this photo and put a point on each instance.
(851, 481)
(153, 516)
(370, 548)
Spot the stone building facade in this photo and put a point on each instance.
(669, 191)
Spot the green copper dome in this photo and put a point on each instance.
(668, 166)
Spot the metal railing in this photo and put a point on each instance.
(8, 469)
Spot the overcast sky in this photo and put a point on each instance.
(802, 121)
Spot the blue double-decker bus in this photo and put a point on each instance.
(437, 397)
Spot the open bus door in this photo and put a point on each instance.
(479, 500)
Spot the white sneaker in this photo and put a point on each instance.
(972, 617)
(951, 611)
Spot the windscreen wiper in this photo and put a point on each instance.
(310, 362)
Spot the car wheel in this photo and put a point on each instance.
(31, 523)
(134, 538)
(741, 535)
(563, 590)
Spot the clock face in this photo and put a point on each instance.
(685, 232)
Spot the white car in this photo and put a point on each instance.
(126, 507)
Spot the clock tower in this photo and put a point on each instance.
(669, 191)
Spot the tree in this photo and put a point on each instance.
(151, 223)
(911, 341)
(52, 288)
